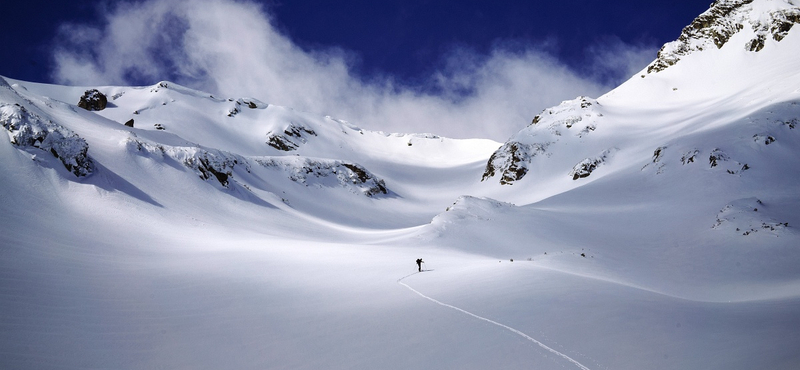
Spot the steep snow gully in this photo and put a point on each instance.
(515, 331)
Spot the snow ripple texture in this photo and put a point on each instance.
(515, 331)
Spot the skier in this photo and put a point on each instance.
(419, 264)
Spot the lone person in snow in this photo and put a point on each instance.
(419, 264)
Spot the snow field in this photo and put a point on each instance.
(182, 250)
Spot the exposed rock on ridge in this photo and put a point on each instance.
(328, 173)
(207, 163)
(291, 138)
(511, 161)
(720, 22)
(28, 130)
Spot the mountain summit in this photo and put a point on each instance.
(713, 29)
(720, 70)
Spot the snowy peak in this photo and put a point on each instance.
(715, 27)
(738, 64)
(232, 150)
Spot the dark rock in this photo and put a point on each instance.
(297, 131)
(756, 44)
(319, 172)
(783, 22)
(281, 143)
(129, 123)
(585, 167)
(712, 25)
(208, 166)
(716, 156)
(658, 153)
(511, 161)
(93, 100)
(689, 156)
(364, 177)
(288, 141)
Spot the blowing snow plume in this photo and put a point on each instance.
(234, 49)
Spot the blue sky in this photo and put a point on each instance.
(464, 68)
(408, 37)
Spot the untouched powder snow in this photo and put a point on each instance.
(654, 227)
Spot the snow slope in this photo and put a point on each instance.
(653, 227)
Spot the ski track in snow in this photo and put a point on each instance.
(515, 331)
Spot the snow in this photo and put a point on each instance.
(199, 245)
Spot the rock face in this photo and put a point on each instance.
(511, 161)
(30, 131)
(585, 167)
(206, 163)
(93, 100)
(721, 21)
(328, 173)
(291, 138)
(573, 119)
(213, 164)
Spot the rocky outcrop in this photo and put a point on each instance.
(763, 139)
(585, 167)
(210, 164)
(207, 163)
(658, 155)
(719, 158)
(93, 100)
(570, 113)
(328, 173)
(511, 161)
(30, 131)
(291, 138)
(242, 102)
(570, 120)
(715, 27)
(689, 156)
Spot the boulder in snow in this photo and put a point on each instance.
(93, 100)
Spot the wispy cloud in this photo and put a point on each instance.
(231, 48)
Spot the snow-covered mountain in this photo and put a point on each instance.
(651, 227)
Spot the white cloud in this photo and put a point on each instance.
(614, 61)
(230, 48)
